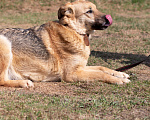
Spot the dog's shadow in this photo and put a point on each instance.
(131, 58)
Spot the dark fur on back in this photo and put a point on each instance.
(27, 41)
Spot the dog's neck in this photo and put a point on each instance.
(76, 26)
(83, 32)
(86, 36)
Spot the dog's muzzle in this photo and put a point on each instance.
(102, 22)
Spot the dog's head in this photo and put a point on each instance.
(83, 17)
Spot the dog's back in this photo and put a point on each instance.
(26, 41)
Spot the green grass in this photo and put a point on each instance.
(27, 18)
(126, 41)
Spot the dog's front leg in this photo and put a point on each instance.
(109, 71)
(87, 74)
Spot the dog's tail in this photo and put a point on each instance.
(124, 68)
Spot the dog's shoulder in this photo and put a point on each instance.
(65, 39)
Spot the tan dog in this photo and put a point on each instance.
(56, 50)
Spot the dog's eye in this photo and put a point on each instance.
(90, 11)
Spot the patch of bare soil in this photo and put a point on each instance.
(51, 88)
(134, 114)
(29, 6)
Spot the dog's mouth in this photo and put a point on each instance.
(108, 20)
(99, 25)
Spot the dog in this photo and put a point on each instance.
(55, 51)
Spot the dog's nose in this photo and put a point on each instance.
(108, 19)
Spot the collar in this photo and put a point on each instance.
(86, 39)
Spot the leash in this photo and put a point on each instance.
(124, 68)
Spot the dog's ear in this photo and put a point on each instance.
(65, 11)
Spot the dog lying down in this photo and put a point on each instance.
(55, 51)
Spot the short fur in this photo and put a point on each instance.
(56, 50)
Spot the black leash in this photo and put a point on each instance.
(124, 68)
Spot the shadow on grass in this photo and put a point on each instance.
(132, 58)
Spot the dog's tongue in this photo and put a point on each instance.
(109, 18)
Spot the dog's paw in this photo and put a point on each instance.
(121, 75)
(27, 84)
(124, 75)
(122, 81)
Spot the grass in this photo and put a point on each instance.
(126, 41)
(87, 104)
(32, 18)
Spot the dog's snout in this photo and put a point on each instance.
(105, 20)
(102, 22)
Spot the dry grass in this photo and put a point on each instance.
(125, 42)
